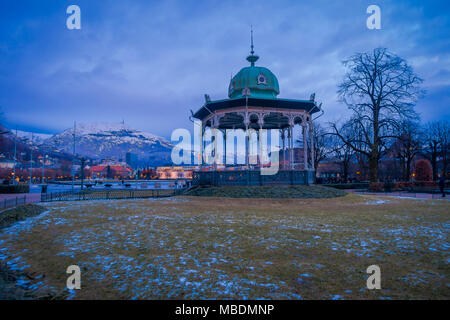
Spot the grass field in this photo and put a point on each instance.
(206, 248)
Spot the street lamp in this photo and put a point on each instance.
(73, 155)
(43, 161)
(83, 160)
(31, 157)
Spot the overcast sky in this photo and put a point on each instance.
(149, 62)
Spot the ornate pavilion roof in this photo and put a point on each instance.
(255, 87)
(276, 103)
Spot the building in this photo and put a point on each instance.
(131, 159)
(6, 164)
(110, 171)
(253, 103)
(173, 173)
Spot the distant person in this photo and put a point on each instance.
(442, 184)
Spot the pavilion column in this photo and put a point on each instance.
(288, 146)
(292, 144)
(203, 147)
(247, 142)
(311, 133)
(305, 147)
(260, 151)
(258, 148)
(290, 150)
(225, 147)
(215, 129)
(202, 130)
(215, 148)
(291, 141)
(283, 139)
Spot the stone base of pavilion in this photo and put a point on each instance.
(252, 178)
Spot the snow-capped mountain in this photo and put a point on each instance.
(112, 140)
(31, 138)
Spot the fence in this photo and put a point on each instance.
(13, 202)
(109, 194)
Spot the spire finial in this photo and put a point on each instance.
(251, 36)
(252, 58)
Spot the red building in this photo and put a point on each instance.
(110, 171)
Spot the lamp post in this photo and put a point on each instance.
(15, 157)
(31, 161)
(136, 176)
(73, 157)
(42, 146)
(83, 160)
(43, 168)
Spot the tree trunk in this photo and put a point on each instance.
(445, 161)
(408, 170)
(373, 168)
(434, 166)
(345, 170)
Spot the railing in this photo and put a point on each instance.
(110, 194)
(13, 202)
(252, 178)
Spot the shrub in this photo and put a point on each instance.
(409, 184)
(20, 188)
(357, 185)
(430, 184)
(423, 170)
(376, 186)
(388, 186)
(398, 186)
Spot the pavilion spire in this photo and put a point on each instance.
(252, 58)
(251, 36)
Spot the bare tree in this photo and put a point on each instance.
(343, 154)
(321, 140)
(408, 145)
(380, 89)
(436, 146)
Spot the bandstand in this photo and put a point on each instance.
(253, 104)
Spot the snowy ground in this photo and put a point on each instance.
(203, 248)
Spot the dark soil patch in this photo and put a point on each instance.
(9, 279)
(10, 216)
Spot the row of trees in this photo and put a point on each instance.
(413, 141)
(381, 89)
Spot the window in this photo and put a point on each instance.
(262, 79)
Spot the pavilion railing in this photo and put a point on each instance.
(252, 178)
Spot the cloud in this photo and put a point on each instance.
(150, 62)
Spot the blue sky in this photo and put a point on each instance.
(149, 62)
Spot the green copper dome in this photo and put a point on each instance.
(254, 82)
